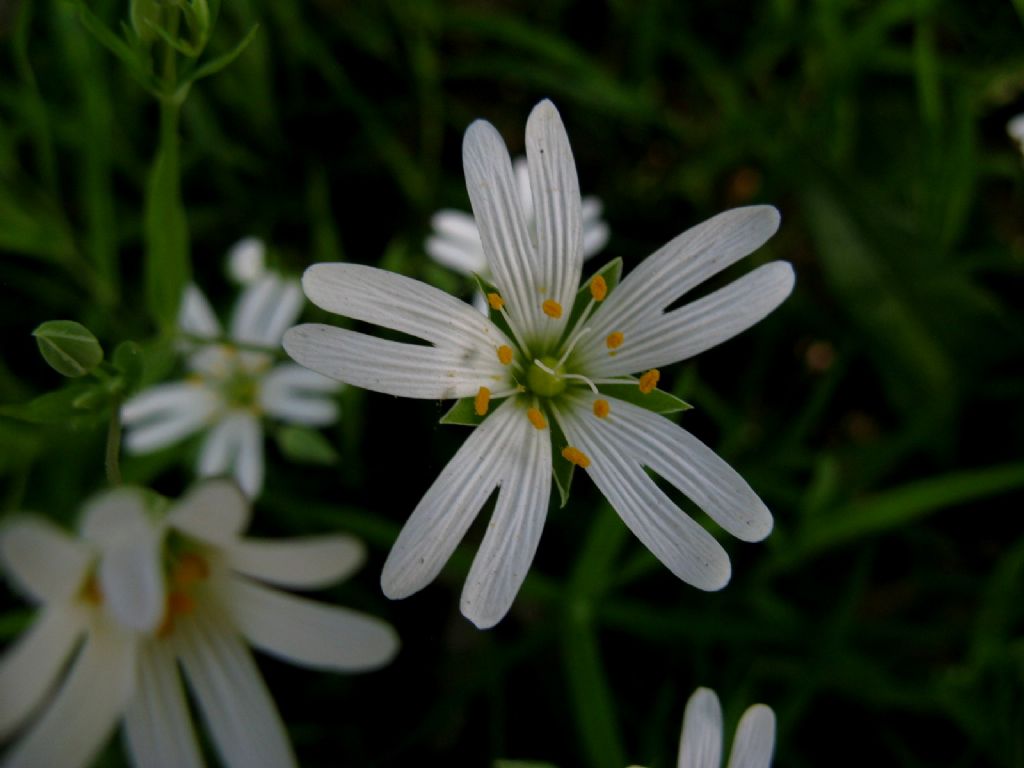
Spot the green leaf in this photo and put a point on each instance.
(128, 359)
(464, 413)
(69, 347)
(137, 66)
(216, 64)
(306, 446)
(52, 408)
(658, 400)
(611, 272)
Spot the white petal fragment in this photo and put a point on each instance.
(266, 308)
(308, 633)
(683, 263)
(158, 728)
(43, 561)
(164, 414)
(196, 317)
(401, 304)
(557, 210)
(689, 551)
(240, 714)
(754, 742)
(302, 563)
(29, 668)
(695, 327)
(88, 706)
(700, 744)
(215, 511)
(503, 231)
(295, 394)
(446, 511)
(404, 370)
(692, 467)
(513, 534)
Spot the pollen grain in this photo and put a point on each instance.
(536, 418)
(576, 456)
(482, 401)
(601, 408)
(649, 381)
(552, 308)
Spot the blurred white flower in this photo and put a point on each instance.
(700, 744)
(247, 260)
(563, 372)
(151, 588)
(233, 384)
(1015, 128)
(456, 242)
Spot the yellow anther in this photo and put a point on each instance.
(189, 570)
(552, 308)
(649, 381)
(601, 408)
(180, 603)
(505, 354)
(91, 592)
(614, 340)
(482, 401)
(598, 288)
(575, 456)
(536, 418)
(495, 301)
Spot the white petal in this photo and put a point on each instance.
(219, 448)
(689, 551)
(700, 744)
(265, 309)
(295, 394)
(246, 260)
(503, 229)
(165, 414)
(308, 633)
(1015, 128)
(683, 263)
(595, 237)
(521, 170)
(691, 329)
(130, 568)
(755, 739)
(304, 563)
(301, 563)
(30, 666)
(684, 461)
(195, 316)
(405, 370)
(456, 226)
(446, 511)
(43, 561)
(465, 259)
(248, 469)
(401, 304)
(214, 511)
(241, 717)
(86, 709)
(158, 728)
(557, 212)
(510, 543)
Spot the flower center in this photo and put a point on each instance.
(240, 390)
(545, 383)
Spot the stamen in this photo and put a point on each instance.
(614, 340)
(598, 288)
(91, 592)
(180, 603)
(482, 401)
(536, 418)
(576, 456)
(189, 570)
(649, 381)
(572, 345)
(581, 377)
(601, 408)
(495, 301)
(552, 308)
(505, 354)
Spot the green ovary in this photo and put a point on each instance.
(542, 383)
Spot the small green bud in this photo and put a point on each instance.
(146, 17)
(69, 347)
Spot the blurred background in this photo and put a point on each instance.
(877, 412)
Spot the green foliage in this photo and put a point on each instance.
(69, 347)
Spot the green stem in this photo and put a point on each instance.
(113, 454)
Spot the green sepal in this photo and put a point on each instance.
(216, 64)
(128, 359)
(561, 468)
(69, 347)
(657, 400)
(611, 272)
(463, 413)
(305, 446)
(495, 316)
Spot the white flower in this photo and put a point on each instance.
(561, 370)
(700, 744)
(456, 242)
(232, 385)
(1015, 128)
(150, 591)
